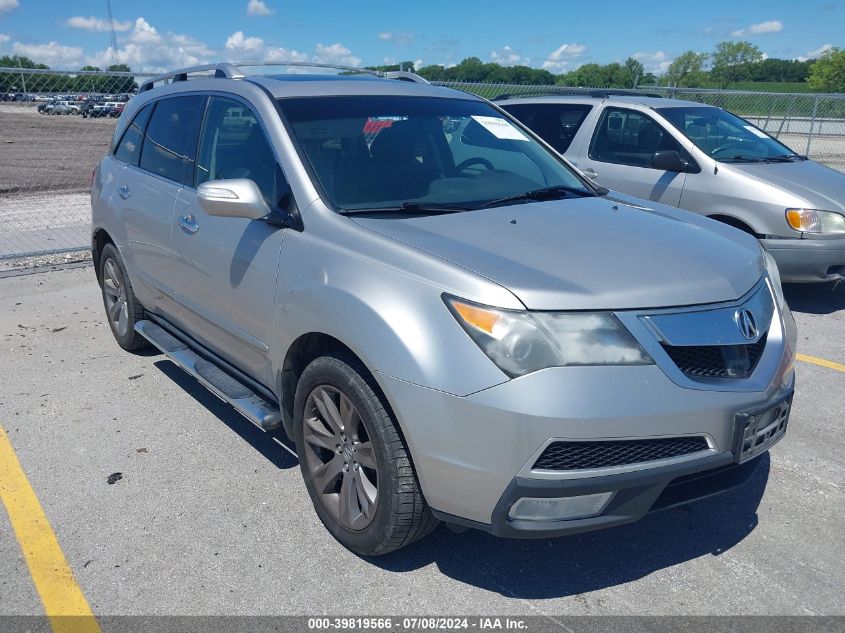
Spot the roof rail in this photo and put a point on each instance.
(583, 92)
(224, 70)
(404, 75)
(232, 70)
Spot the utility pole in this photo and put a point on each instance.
(113, 34)
(23, 80)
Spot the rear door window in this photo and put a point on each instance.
(555, 123)
(129, 148)
(170, 144)
(629, 137)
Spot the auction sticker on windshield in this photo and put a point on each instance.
(755, 131)
(500, 128)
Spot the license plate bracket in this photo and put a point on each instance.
(757, 430)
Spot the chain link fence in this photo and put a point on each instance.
(55, 126)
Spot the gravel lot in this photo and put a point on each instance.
(42, 152)
(211, 515)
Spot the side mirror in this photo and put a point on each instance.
(234, 198)
(668, 160)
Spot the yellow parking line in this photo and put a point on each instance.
(51, 574)
(821, 362)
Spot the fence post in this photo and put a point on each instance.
(812, 123)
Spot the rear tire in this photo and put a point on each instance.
(123, 310)
(347, 441)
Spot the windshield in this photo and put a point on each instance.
(378, 152)
(724, 136)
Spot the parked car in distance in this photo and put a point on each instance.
(449, 320)
(103, 109)
(65, 107)
(703, 159)
(88, 105)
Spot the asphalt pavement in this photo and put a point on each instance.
(210, 515)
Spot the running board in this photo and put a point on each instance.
(245, 401)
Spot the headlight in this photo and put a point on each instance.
(774, 277)
(520, 342)
(815, 221)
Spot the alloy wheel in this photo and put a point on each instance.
(114, 293)
(340, 457)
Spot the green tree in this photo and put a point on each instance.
(433, 72)
(732, 61)
(15, 82)
(827, 74)
(635, 70)
(779, 70)
(18, 61)
(687, 70)
(387, 68)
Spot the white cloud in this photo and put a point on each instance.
(506, 56)
(657, 62)
(396, 37)
(258, 7)
(769, 26)
(279, 54)
(147, 50)
(144, 33)
(4, 38)
(561, 58)
(7, 6)
(51, 53)
(237, 42)
(96, 24)
(821, 50)
(335, 54)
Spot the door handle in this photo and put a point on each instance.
(590, 173)
(188, 223)
(123, 192)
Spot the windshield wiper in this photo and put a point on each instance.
(409, 208)
(546, 193)
(782, 158)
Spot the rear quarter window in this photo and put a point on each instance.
(555, 123)
(128, 150)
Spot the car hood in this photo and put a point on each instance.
(596, 253)
(820, 186)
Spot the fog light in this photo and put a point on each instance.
(560, 508)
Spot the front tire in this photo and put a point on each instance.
(356, 466)
(123, 310)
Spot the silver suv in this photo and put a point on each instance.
(703, 159)
(450, 322)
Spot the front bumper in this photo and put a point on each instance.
(808, 260)
(636, 493)
(475, 455)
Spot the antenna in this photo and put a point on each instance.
(113, 34)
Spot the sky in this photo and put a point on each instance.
(559, 35)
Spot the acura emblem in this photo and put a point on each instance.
(746, 323)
